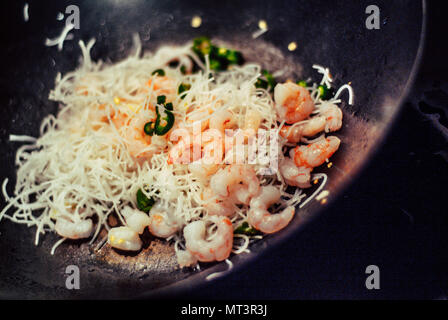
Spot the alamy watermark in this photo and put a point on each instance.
(213, 146)
(373, 280)
(373, 20)
(72, 282)
(73, 18)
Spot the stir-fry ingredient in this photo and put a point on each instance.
(143, 202)
(246, 229)
(159, 72)
(303, 83)
(149, 128)
(164, 123)
(182, 88)
(266, 81)
(325, 93)
(220, 58)
(208, 160)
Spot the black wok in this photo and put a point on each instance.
(380, 64)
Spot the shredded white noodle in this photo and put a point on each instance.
(82, 167)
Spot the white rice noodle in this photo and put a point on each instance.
(81, 167)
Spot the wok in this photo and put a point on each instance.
(380, 64)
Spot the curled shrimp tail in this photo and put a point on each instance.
(293, 102)
(295, 176)
(315, 154)
(259, 216)
(217, 249)
(272, 223)
(74, 229)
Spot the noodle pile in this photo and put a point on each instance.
(81, 166)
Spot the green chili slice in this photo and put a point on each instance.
(220, 57)
(159, 72)
(217, 65)
(266, 81)
(161, 99)
(270, 78)
(182, 88)
(260, 83)
(149, 128)
(234, 57)
(244, 228)
(161, 129)
(143, 202)
(302, 83)
(325, 93)
(202, 46)
(219, 52)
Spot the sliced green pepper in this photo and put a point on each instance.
(160, 129)
(244, 228)
(261, 84)
(270, 78)
(173, 64)
(325, 93)
(218, 52)
(234, 57)
(266, 81)
(217, 65)
(302, 83)
(159, 72)
(202, 46)
(143, 202)
(149, 128)
(161, 99)
(182, 88)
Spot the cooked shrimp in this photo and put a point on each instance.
(162, 225)
(185, 258)
(163, 85)
(333, 116)
(236, 147)
(252, 122)
(135, 219)
(315, 154)
(217, 206)
(212, 147)
(216, 249)
(131, 129)
(124, 238)
(293, 175)
(199, 116)
(237, 181)
(293, 102)
(221, 120)
(203, 171)
(78, 229)
(309, 128)
(259, 216)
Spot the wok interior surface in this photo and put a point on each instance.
(378, 63)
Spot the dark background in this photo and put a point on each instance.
(395, 216)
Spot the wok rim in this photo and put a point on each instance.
(198, 280)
